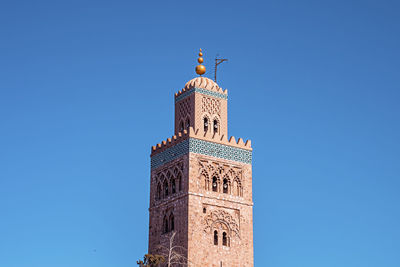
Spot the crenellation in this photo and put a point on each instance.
(198, 134)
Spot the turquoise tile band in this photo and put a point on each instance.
(201, 91)
(201, 147)
(170, 154)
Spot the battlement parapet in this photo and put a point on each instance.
(197, 134)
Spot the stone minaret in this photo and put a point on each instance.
(201, 183)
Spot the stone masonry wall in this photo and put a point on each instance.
(211, 211)
(175, 203)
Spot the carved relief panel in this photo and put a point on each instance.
(221, 227)
(221, 177)
(169, 180)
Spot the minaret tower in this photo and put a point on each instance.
(201, 182)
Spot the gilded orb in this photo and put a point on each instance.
(200, 54)
(200, 60)
(200, 69)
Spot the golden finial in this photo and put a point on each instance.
(200, 69)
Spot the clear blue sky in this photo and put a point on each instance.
(86, 88)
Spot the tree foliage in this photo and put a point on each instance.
(171, 255)
(150, 260)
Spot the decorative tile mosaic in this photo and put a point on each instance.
(220, 151)
(204, 148)
(170, 154)
(201, 91)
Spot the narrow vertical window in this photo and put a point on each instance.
(225, 186)
(181, 127)
(165, 225)
(158, 196)
(214, 184)
(215, 126)
(187, 123)
(216, 238)
(165, 188)
(224, 239)
(171, 222)
(180, 182)
(205, 125)
(173, 186)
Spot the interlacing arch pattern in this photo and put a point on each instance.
(168, 224)
(169, 181)
(221, 226)
(211, 106)
(221, 178)
(187, 122)
(183, 113)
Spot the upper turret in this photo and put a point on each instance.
(201, 112)
(202, 104)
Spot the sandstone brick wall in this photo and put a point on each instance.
(176, 203)
(212, 108)
(198, 106)
(210, 211)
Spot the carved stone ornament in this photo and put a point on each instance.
(221, 220)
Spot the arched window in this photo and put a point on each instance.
(165, 188)
(188, 123)
(165, 225)
(225, 186)
(180, 182)
(237, 187)
(171, 222)
(206, 182)
(215, 184)
(181, 127)
(205, 125)
(215, 126)
(173, 185)
(239, 190)
(158, 196)
(224, 239)
(215, 238)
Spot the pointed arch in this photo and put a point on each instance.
(215, 182)
(165, 224)
(216, 238)
(216, 125)
(187, 120)
(173, 185)
(171, 222)
(179, 178)
(224, 239)
(206, 123)
(176, 170)
(181, 126)
(166, 187)
(237, 187)
(159, 191)
(206, 179)
(225, 185)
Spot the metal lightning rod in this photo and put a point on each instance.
(217, 62)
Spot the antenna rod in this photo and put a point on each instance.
(217, 62)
